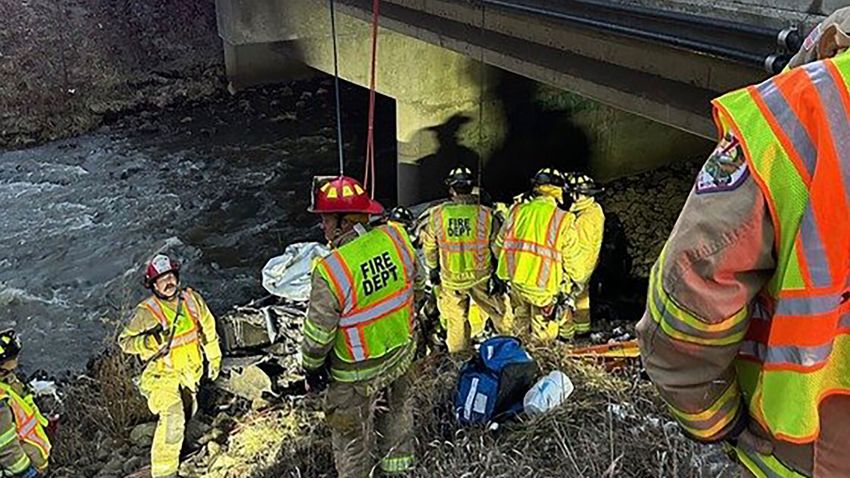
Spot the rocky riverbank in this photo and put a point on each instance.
(70, 66)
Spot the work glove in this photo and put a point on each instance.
(434, 276)
(30, 472)
(317, 380)
(496, 286)
(213, 369)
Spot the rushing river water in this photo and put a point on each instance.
(223, 185)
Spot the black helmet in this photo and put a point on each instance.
(581, 184)
(401, 215)
(548, 177)
(460, 178)
(10, 346)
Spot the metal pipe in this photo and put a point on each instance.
(737, 27)
(717, 50)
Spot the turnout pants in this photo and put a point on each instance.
(371, 430)
(454, 306)
(536, 323)
(174, 404)
(582, 313)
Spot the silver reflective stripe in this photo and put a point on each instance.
(803, 306)
(545, 272)
(788, 354)
(462, 246)
(402, 249)
(337, 269)
(790, 124)
(28, 427)
(844, 320)
(536, 249)
(814, 249)
(378, 310)
(836, 115)
(356, 345)
(158, 312)
(554, 228)
(190, 304)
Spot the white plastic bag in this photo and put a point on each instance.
(288, 275)
(548, 393)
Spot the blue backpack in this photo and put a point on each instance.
(492, 384)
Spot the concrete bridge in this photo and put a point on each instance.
(443, 61)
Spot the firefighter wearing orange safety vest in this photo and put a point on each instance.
(359, 332)
(24, 445)
(173, 332)
(747, 329)
(456, 243)
(535, 248)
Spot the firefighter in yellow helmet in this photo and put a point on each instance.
(533, 248)
(24, 445)
(173, 332)
(359, 332)
(456, 243)
(589, 225)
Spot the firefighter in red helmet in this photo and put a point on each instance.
(173, 331)
(358, 335)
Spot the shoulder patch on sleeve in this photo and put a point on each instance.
(726, 168)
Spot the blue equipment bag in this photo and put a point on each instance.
(491, 385)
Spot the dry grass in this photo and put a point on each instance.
(99, 405)
(613, 425)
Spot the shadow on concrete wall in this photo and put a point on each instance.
(450, 154)
(536, 137)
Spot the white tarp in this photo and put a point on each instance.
(288, 275)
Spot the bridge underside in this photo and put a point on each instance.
(437, 58)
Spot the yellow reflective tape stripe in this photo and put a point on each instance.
(680, 324)
(8, 437)
(19, 466)
(318, 334)
(765, 466)
(311, 362)
(397, 464)
(711, 421)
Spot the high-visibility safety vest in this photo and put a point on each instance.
(463, 238)
(185, 346)
(372, 278)
(29, 421)
(795, 133)
(530, 258)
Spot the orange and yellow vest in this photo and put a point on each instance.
(372, 278)
(530, 257)
(463, 238)
(185, 352)
(29, 421)
(795, 133)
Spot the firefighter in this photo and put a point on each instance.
(358, 334)
(456, 243)
(173, 332)
(589, 225)
(746, 328)
(533, 249)
(24, 445)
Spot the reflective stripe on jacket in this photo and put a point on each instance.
(795, 133)
(463, 237)
(185, 346)
(29, 421)
(531, 257)
(372, 278)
